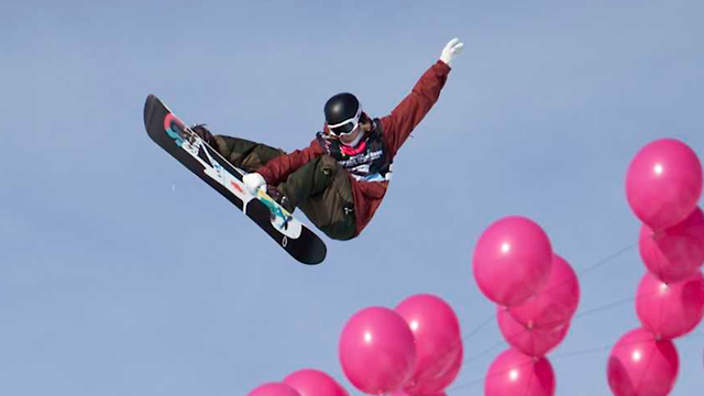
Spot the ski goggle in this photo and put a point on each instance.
(347, 126)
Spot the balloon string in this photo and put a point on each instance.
(484, 352)
(605, 307)
(607, 259)
(479, 328)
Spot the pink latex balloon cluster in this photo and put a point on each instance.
(536, 292)
(539, 324)
(414, 349)
(663, 186)
(307, 382)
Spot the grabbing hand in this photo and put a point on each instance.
(252, 182)
(451, 49)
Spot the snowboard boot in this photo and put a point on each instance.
(204, 134)
(280, 198)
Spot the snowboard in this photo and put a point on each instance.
(174, 136)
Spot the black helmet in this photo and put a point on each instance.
(342, 113)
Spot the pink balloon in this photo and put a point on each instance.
(513, 373)
(443, 380)
(664, 183)
(274, 389)
(437, 337)
(311, 382)
(530, 341)
(512, 260)
(670, 311)
(555, 303)
(403, 393)
(641, 366)
(377, 350)
(674, 253)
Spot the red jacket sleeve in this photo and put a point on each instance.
(400, 123)
(277, 170)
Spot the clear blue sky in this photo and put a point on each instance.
(122, 274)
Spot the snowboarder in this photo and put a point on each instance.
(340, 179)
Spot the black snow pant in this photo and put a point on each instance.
(321, 187)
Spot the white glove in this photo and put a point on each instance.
(451, 49)
(252, 182)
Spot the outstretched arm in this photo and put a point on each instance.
(409, 113)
